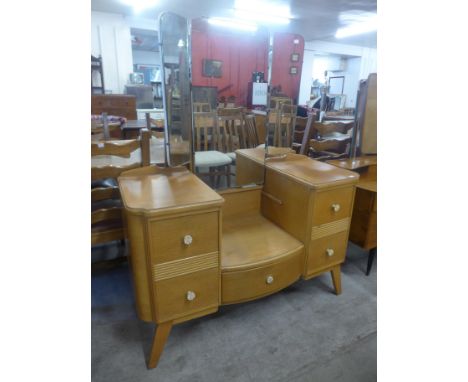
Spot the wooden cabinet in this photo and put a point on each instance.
(363, 231)
(313, 203)
(175, 245)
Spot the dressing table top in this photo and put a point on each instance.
(305, 170)
(165, 190)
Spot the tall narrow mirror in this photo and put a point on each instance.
(175, 65)
(229, 78)
(283, 115)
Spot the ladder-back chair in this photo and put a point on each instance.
(108, 160)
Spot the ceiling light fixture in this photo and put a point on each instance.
(232, 23)
(366, 26)
(140, 5)
(270, 19)
(263, 11)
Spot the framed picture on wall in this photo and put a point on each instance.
(295, 57)
(212, 68)
(293, 70)
(336, 85)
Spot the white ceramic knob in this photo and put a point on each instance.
(335, 207)
(270, 279)
(191, 295)
(188, 239)
(330, 252)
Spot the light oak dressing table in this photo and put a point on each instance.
(193, 249)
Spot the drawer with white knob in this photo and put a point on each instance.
(332, 205)
(327, 251)
(184, 236)
(187, 294)
(238, 286)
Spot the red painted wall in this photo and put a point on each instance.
(241, 55)
(283, 47)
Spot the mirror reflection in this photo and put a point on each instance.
(232, 97)
(175, 63)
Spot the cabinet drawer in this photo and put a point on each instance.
(187, 294)
(332, 205)
(327, 251)
(250, 284)
(167, 236)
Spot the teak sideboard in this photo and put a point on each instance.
(193, 249)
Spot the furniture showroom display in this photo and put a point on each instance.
(193, 249)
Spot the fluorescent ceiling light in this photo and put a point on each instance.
(263, 11)
(140, 5)
(369, 25)
(232, 23)
(263, 7)
(266, 18)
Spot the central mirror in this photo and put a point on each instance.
(207, 128)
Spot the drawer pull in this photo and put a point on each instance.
(330, 252)
(335, 207)
(269, 279)
(188, 239)
(191, 295)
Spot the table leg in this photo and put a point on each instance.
(336, 278)
(370, 260)
(160, 337)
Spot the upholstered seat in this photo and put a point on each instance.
(232, 156)
(211, 158)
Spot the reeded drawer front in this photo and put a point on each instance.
(249, 284)
(327, 251)
(187, 294)
(332, 205)
(180, 237)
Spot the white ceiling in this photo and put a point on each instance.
(313, 19)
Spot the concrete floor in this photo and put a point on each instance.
(303, 333)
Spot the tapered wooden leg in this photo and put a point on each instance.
(160, 337)
(336, 278)
(370, 260)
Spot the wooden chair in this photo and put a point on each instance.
(251, 131)
(232, 131)
(207, 145)
(302, 134)
(199, 107)
(111, 158)
(330, 140)
(283, 121)
(103, 129)
(276, 102)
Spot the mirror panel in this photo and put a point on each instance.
(223, 119)
(175, 64)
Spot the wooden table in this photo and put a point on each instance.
(156, 154)
(363, 231)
